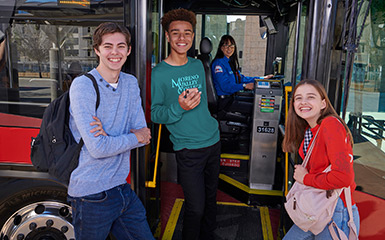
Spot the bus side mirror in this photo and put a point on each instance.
(2, 36)
(266, 20)
(262, 28)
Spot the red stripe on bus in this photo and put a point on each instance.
(15, 144)
(19, 121)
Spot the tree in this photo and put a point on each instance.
(32, 43)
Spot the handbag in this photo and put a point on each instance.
(311, 209)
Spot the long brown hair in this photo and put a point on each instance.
(296, 126)
(233, 60)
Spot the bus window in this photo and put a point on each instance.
(289, 64)
(45, 46)
(44, 60)
(245, 30)
(365, 112)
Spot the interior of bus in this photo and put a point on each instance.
(45, 44)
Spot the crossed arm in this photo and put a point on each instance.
(143, 134)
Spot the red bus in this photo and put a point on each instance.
(46, 43)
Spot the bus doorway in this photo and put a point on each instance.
(236, 128)
(236, 146)
(44, 46)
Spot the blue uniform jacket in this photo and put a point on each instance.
(224, 80)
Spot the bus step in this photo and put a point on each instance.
(234, 221)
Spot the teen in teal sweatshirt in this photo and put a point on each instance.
(179, 100)
(191, 129)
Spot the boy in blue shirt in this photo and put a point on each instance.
(101, 200)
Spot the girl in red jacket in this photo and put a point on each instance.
(310, 110)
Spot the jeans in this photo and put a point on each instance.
(198, 172)
(117, 210)
(340, 217)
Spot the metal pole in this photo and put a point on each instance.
(53, 67)
(203, 33)
(295, 58)
(313, 51)
(161, 49)
(351, 48)
(7, 43)
(142, 60)
(59, 80)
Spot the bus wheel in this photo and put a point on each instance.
(36, 213)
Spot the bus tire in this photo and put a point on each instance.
(38, 212)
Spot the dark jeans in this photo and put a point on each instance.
(198, 172)
(117, 210)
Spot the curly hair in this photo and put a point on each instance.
(106, 28)
(178, 15)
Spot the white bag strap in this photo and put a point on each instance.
(334, 234)
(307, 157)
(352, 226)
(353, 229)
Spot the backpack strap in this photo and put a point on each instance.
(75, 159)
(89, 75)
(307, 157)
(352, 226)
(81, 142)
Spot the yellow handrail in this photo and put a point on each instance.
(152, 184)
(287, 90)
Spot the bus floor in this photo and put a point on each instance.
(372, 212)
(235, 220)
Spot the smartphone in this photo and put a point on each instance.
(190, 90)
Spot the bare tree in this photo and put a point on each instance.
(32, 43)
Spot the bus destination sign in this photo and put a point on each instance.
(74, 3)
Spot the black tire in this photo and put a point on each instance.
(37, 211)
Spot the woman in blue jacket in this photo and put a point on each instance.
(227, 77)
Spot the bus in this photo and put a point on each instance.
(45, 44)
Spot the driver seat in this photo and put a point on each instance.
(233, 125)
(205, 48)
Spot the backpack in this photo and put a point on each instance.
(55, 150)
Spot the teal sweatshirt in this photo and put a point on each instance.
(191, 129)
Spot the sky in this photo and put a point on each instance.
(233, 18)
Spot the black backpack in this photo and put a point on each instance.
(55, 150)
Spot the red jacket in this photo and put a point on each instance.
(332, 147)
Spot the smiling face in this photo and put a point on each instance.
(112, 52)
(180, 36)
(228, 49)
(308, 104)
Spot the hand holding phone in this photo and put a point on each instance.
(190, 98)
(190, 91)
